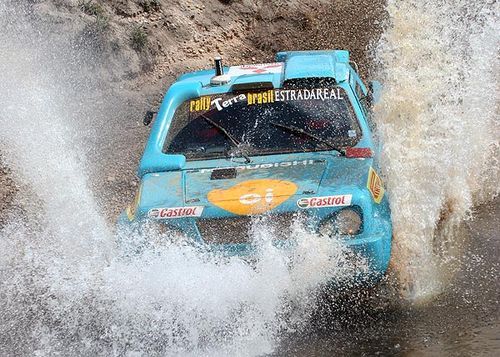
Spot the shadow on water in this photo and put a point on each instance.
(464, 319)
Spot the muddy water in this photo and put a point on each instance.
(440, 127)
(463, 321)
(66, 289)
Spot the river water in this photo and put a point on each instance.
(464, 320)
(66, 289)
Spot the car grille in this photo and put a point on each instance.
(238, 229)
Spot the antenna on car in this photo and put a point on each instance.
(220, 78)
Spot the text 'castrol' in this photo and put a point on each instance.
(325, 201)
(175, 212)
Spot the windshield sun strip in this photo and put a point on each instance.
(233, 104)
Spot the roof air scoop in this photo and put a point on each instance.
(220, 78)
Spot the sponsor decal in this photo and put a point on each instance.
(324, 201)
(284, 95)
(375, 186)
(253, 196)
(175, 212)
(219, 104)
(259, 68)
(266, 166)
(200, 104)
(263, 97)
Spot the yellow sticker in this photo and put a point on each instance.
(261, 97)
(200, 104)
(132, 208)
(375, 186)
(253, 196)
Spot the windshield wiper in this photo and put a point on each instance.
(231, 138)
(299, 131)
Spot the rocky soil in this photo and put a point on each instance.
(137, 47)
(7, 188)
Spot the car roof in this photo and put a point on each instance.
(288, 66)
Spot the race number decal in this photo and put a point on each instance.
(253, 196)
(375, 186)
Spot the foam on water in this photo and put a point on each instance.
(439, 122)
(64, 287)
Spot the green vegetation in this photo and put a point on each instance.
(138, 38)
(91, 8)
(102, 23)
(94, 9)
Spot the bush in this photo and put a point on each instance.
(150, 5)
(91, 8)
(102, 23)
(138, 38)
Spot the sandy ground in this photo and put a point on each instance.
(7, 187)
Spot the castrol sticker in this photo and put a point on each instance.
(375, 186)
(253, 196)
(175, 212)
(325, 201)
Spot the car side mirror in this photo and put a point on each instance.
(148, 117)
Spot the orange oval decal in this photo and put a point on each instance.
(253, 196)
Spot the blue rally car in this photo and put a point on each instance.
(268, 140)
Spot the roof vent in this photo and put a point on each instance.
(220, 78)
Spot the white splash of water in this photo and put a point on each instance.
(173, 299)
(439, 121)
(66, 289)
(39, 146)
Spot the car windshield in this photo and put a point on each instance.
(263, 122)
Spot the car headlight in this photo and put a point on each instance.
(347, 221)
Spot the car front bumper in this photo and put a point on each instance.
(368, 253)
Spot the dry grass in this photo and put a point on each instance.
(138, 38)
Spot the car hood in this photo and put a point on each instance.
(253, 189)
